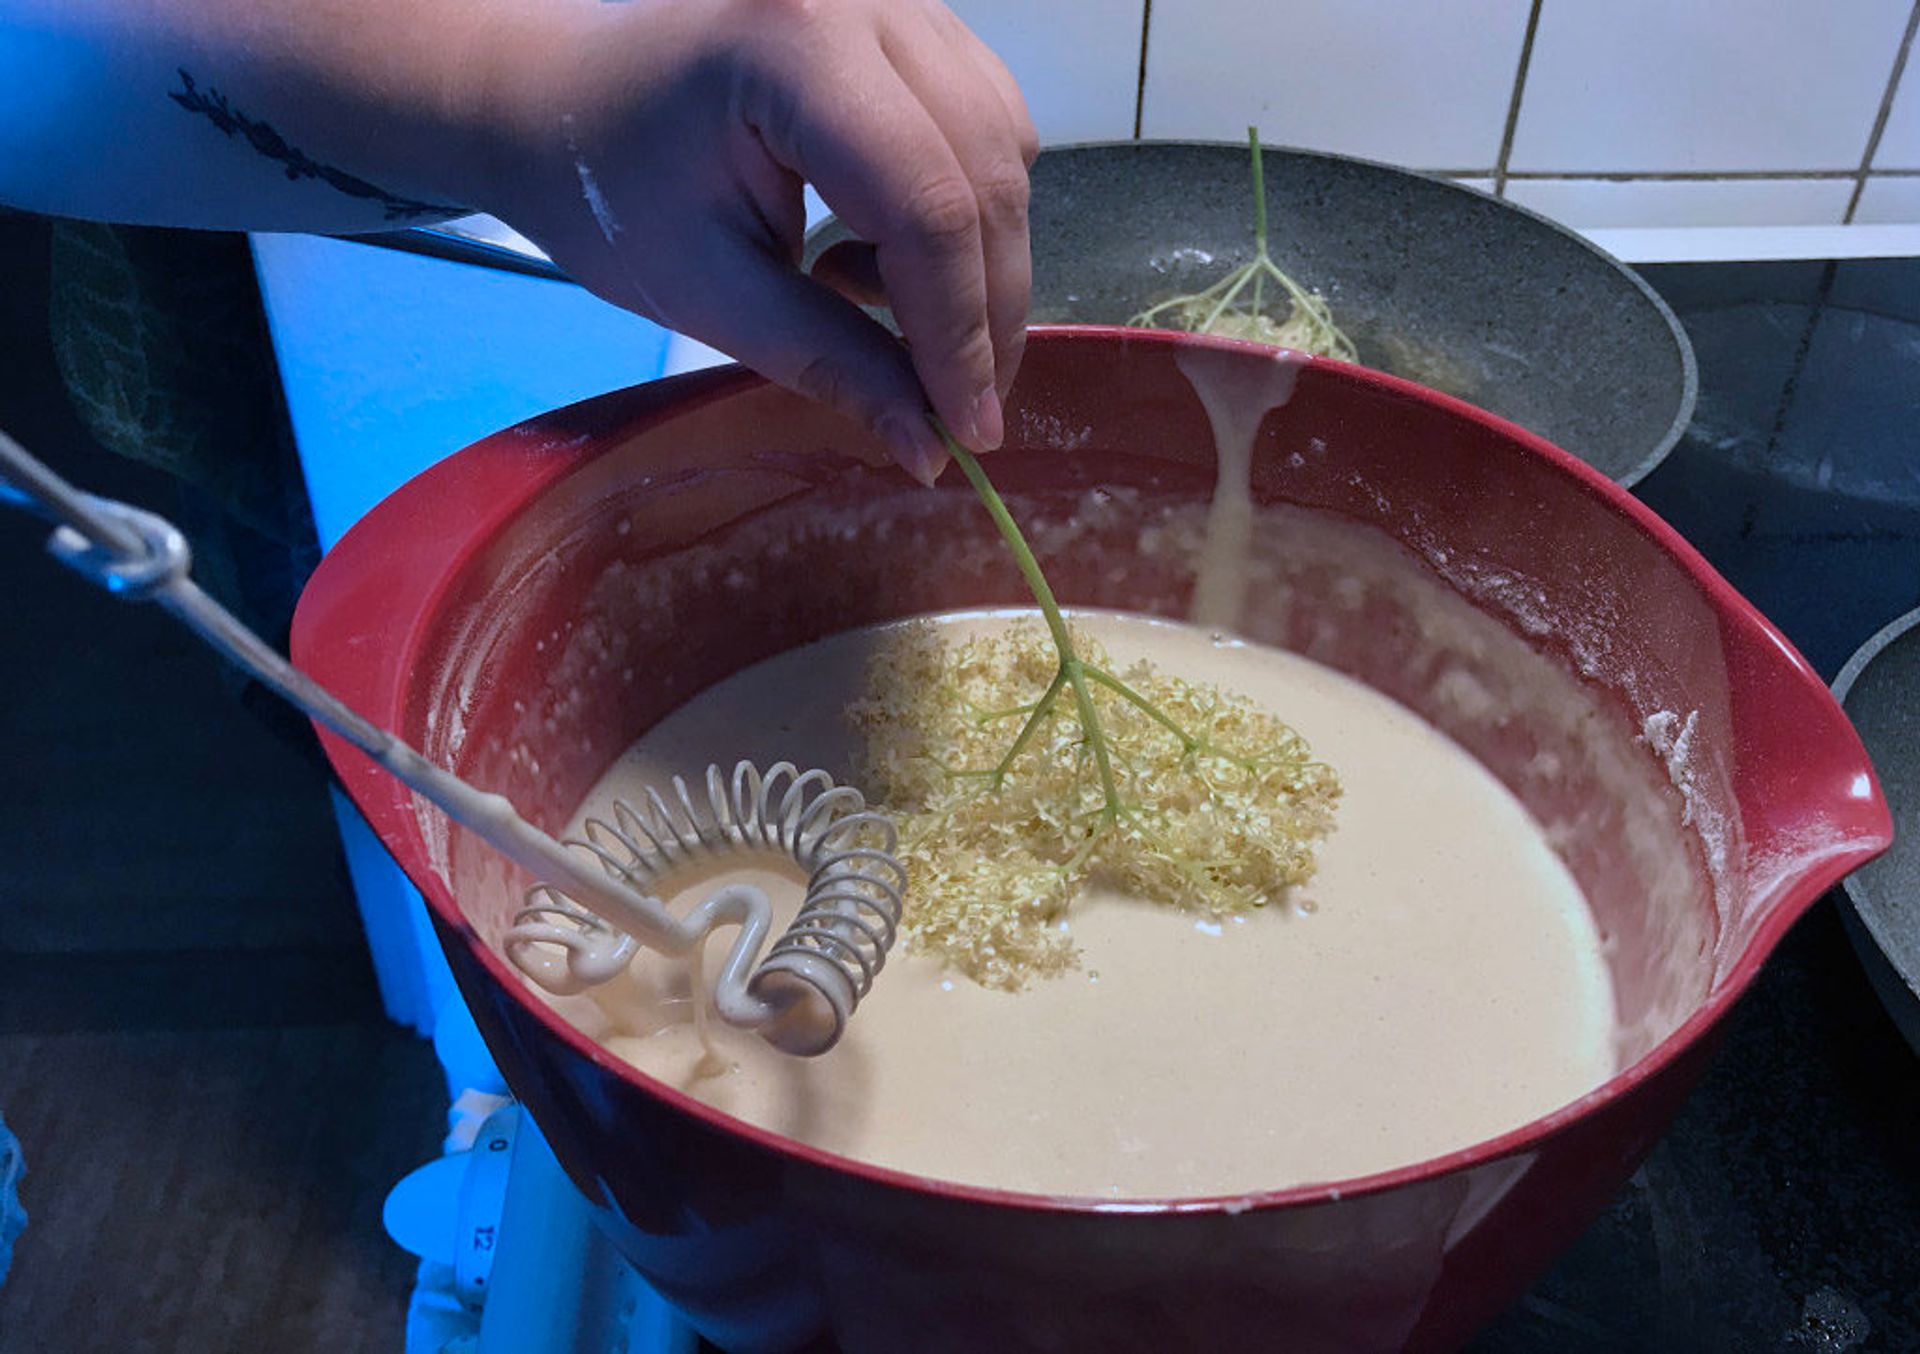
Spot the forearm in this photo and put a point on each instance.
(334, 115)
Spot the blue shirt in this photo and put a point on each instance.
(12, 1216)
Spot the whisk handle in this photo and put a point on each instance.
(139, 556)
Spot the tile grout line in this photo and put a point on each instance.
(1513, 104)
(1880, 119)
(1140, 86)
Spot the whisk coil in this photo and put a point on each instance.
(836, 944)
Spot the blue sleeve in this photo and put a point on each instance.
(13, 1217)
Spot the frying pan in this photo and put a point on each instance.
(1880, 691)
(1435, 282)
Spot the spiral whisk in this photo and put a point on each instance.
(587, 918)
(836, 943)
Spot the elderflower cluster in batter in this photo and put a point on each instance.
(1219, 805)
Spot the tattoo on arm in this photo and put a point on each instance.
(212, 105)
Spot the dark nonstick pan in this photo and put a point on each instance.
(1880, 689)
(1437, 283)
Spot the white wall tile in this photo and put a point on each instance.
(1076, 61)
(1584, 203)
(1484, 185)
(1900, 142)
(1717, 244)
(1619, 85)
(1889, 202)
(1424, 85)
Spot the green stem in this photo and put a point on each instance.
(1259, 214)
(985, 717)
(1040, 709)
(1090, 723)
(1010, 533)
(1259, 193)
(1146, 707)
(1220, 307)
(1071, 667)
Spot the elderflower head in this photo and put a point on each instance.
(1307, 328)
(1217, 818)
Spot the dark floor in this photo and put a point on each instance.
(210, 1103)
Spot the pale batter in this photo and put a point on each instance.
(1438, 983)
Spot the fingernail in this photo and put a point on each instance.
(912, 443)
(987, 422)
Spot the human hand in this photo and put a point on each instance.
(657, 151)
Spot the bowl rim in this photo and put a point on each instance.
(532, 460)
(1689, 365)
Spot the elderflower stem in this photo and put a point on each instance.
(1016, 542)
(1259, 214)
(1259, 193)
(1220, 307)
(1038, 713)
(1145, 706)
(1071, 668)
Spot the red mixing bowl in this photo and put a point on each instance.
(528, 607)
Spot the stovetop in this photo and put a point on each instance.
(1782, 1210)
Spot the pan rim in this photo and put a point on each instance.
(1862, 901)
(1683, 346)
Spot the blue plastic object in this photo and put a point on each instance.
(463, 1053)
(13, 1218)
(391, 360)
